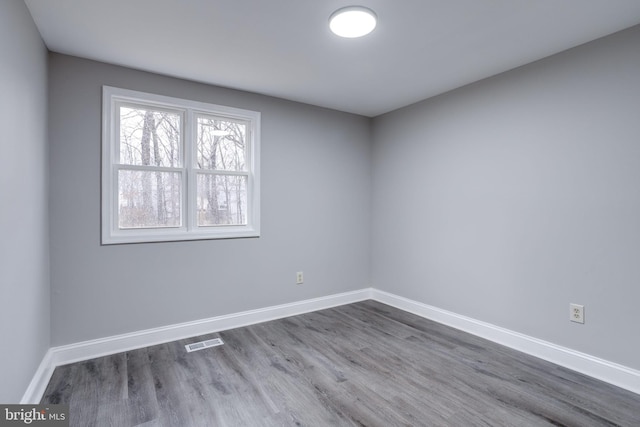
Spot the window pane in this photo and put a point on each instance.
(149, 137)
(149, 199)
(222, 199)
(221, 144)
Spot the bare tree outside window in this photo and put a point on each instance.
(221, 151)
(149, 198)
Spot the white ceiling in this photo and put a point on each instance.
(284, 48)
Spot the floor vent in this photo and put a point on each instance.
(203, 344)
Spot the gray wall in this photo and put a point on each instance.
(510, 198)
(24, 247)
(315, 189)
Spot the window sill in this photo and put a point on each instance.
(154, 236)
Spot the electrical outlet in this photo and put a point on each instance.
(299, 278)
(576, 313)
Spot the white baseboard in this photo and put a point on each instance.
(604, 370)
(57, 356)
(40, 380)
(601, 369)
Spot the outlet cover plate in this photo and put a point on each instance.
(576, 313)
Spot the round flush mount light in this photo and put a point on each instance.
(352, 21)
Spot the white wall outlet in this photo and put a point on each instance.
(576, 313)
(299, 278)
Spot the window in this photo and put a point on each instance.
(174, 169)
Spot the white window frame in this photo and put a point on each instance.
(189, 230)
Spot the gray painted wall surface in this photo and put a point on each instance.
(510, 198)
(24, 247)
(315, 189)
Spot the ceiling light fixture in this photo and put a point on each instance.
(352, 21)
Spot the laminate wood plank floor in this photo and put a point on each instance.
(363, 364)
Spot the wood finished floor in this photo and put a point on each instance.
(364, 364)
